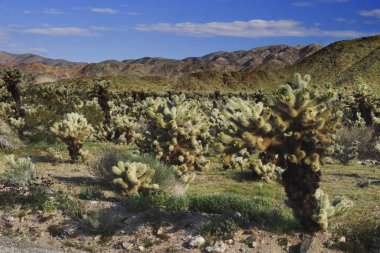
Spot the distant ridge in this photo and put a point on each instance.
(343, 63)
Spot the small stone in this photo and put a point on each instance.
(197, 241)
(342, 239)
(230, 241)
(218, 247)
(9, 219)
(311, 244)
(141, 248)
(252, 245)
(127, 245)
(160, 231)
(68, 232)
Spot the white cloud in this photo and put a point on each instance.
(107, 29)
(52, 11)
(104, 10)
(345, 20)
(131, 13)
(302, 4)
(312, 3)
(370, 13)
(61, 31)
(247, 29)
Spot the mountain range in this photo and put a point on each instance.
(343, 63)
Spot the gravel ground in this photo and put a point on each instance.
(8, 245)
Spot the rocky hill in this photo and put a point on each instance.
(270, 57)
(343, 63)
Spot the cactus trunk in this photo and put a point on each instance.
(300, 186)
(74, 150)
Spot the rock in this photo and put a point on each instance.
(127, 245)
(230, 242)
(141, 248)
(342, 239)
(311, 244)
(9, 219)
(218, 247)
(108, 194)
(197, 241)
(68, 232)
(160, 231)
(251, 241)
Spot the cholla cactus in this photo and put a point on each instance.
(21, 172)
(304, 124)
(73, 130)
(248, 129)
(295, 136)
(267, 172)
(134, 177)
(123, 127)
(177, 133)
(327, 209)
(6, 110)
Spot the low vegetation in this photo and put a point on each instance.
(234, 163)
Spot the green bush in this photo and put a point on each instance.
(224, 226)
(103, 221)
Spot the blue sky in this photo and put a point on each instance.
(92, 31)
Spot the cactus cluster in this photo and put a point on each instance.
(134, 177)
(177, 133)
(73, 130)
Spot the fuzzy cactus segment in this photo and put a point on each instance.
(177, 133)
(327, 209)
(134, 177)
(73, 130)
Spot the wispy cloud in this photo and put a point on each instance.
(370, 13)
(302, 4)
(61, 31)
(107, 29)
(345, 20)
(104, 10)
(316, 2)
(52, 11)
(247, 29)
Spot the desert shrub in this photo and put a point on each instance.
(73, 130)
(71, 206)
(20, 172)
(362, 236)
(222, 226)
(354, 142)
(101, 168)
(90, 192)
(103, 221)
(258, 210)
(8, 140)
